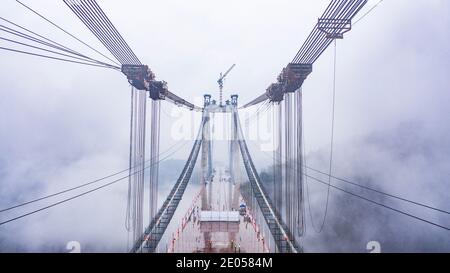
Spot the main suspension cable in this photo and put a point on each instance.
(65, 31)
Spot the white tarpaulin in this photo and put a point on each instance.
(219, 216)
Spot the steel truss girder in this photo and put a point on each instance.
(155, 230)
(283, 237)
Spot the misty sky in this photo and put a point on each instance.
(64, 124)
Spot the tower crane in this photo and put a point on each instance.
(220, 82)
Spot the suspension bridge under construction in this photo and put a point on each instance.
(222, 216)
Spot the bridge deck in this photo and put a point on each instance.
(217, 237)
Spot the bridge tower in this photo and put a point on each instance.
(206, 164)
(234, 156)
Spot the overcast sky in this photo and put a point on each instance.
(63, 124)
